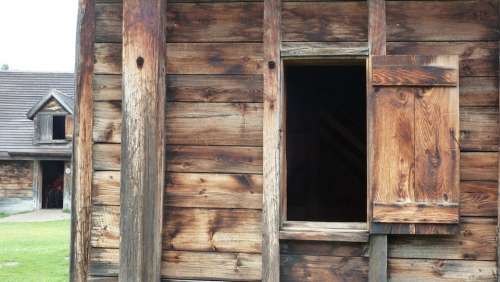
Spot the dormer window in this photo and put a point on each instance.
(52, 118)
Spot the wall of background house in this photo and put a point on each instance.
(16, 184)
(212, 228)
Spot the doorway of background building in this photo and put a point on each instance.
(52, 184)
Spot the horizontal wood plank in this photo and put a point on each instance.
(479, 166)
(319, 49)
(107, 122)
(478, 91)
(214, 58)
(325, 21)
(204, 265)
(214, 88)
(318, 248)
(106, 157)
(214, 190)
(108, 21)
(474, 241)
(400, 270)
(191, 58)
(221, 159)
(478, 198)
(106, 188)
(479, 128)
(415, 213)
(107, 88)
(442, 20)
(323, 268)
(475, 58)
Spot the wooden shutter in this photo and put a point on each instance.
(44, 123)
(414, 149)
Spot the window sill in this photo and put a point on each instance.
(324, 231)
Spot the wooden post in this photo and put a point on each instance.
(82, 143)
(37, 185)
(272, 134)
(143, 142)
(377, 46)
(498, 180)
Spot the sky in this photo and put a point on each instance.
(38, 35)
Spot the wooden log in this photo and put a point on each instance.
(320, 49)
(104, 262)
(272, 136)
(442, 20)
(106, 157)
(323, 268)
(474, 241)
(441, 270)
(109, 19)
(143, 140)
(324, 21)
(475, 58)
(82, 143)
(107, 58)
(106, 188)
(218, 159)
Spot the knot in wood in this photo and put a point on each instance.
(140, 62)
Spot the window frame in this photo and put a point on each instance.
(37, 138)
(318, 230)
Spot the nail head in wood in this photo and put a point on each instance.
(140, 62)
(271, 64)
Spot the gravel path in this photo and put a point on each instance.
(36, 216)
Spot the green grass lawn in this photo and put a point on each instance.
(34, 251)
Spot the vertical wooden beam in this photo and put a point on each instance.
(37, 185)
(498, 180)
(272, 135)
(143, 142)
(377, 46)
(67, 186)
(82, 142)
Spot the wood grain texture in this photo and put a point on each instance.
(214, 58)
(323, 268)
(415, 213)
(442, 20)
(107, 58)
(107, 87)
(107, 122)
(318, 248)
(378, 258)
(407, 70)
(106, 188)
(106, 156)
(223, 159)
(324, 21)
(82, 143)
(440, 270)
(214, 190)
(109, 19)
(478, 198)
(214, 22)
(212, 230)
(16, 179)
(323, 234)
(474, 241)
(475, 58)
(478, 166)
(479, 128)
(199, 265)
(143, 140)
(214, 88)
(478, 91)
(272, 136)
(214, 124)
(320, 49)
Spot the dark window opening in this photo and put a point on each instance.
(326, 142)
(52, 184)
(59, 128)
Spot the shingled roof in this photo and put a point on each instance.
(19, 92)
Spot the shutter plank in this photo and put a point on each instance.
(393, 173)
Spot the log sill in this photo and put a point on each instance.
(324, 231)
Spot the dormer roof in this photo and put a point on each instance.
(65, 101)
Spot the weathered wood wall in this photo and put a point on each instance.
(16, 183)
(212, 224)
(212, 227)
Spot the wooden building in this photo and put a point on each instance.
(275, 140)
(36, 111)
